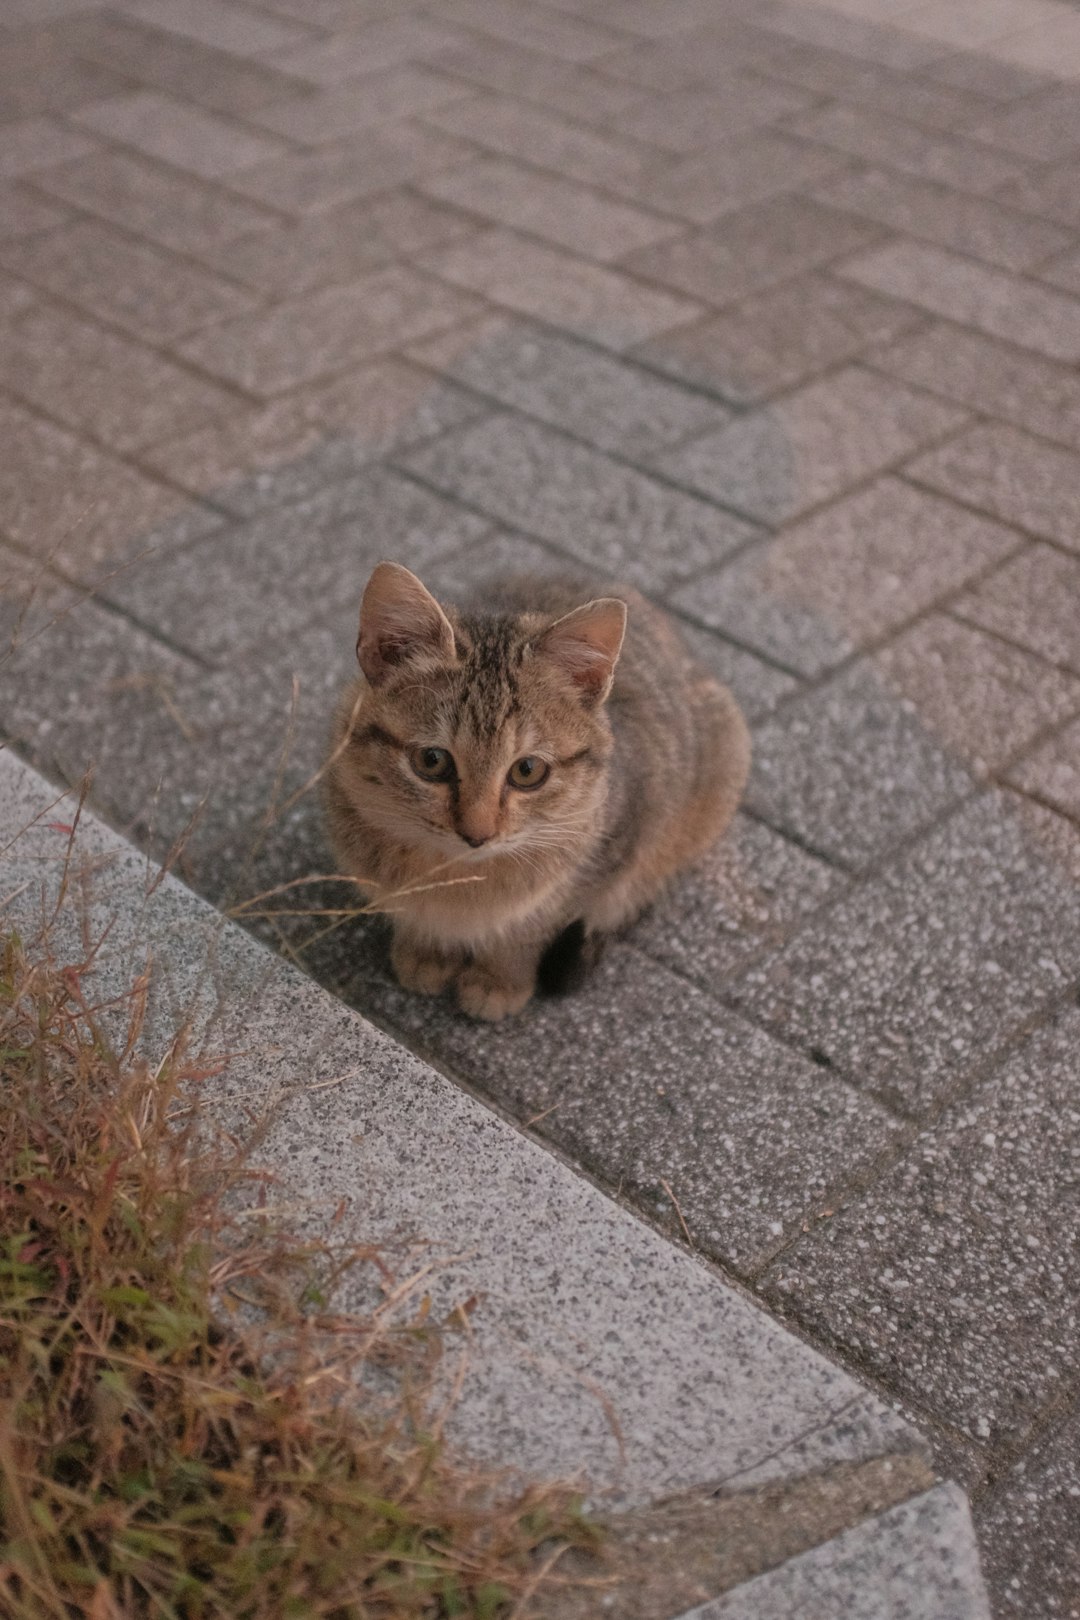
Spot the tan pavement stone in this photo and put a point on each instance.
(322, 116)
(339, 246)
(1051, 772)
(933, 213)
(983, 698)
(147, 292)
(37, 143)
(71, 506)
(1012, 476)
(179, 133)
(587, 299)
(780, 338)
(1000, 305)
(1032, 600)
(172, 209)
(561, 211)
(114, 390)
(1005, 382)
(753, 249)
(184, 67)
(271, 351)
(361, 166)
(878, 139)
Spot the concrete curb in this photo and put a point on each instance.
(598, 1349)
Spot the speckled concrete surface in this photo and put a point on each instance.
(769, 305)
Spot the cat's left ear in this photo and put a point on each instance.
(585, 645)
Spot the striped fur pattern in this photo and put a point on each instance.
(516, 769)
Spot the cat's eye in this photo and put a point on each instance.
(528, 772)
(433, 764)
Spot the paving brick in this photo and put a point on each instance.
(811, 445)
(972, 225)
(586, 299)
(362, 166)
(1050, 191)
(648, 1080)
(218, 23)
(757, 685)
(327, 331)
(688, 120)
(707, 187)
(930, 1276)
(384, 43)
(1010, 475)
(877, 139)
(454, 578)
(1044, 126)
(141, 289)
(186, 68)
(753, 249)
(983, 699)
(571, 215)
(610, 516)
(75, 506)
(1012, 384)
(846, 576)
(1052, 47)
(576, 91)
(320, 250)
(1052, 772)
(104, 385)
(170, 208)
(37, 143)
(516, 130)
(186, 136)
(93, 690)
(537, 27)
(261, 580)
(322, 116)
(885, 90)
(979, 22)
(974, 295)
(855, 36)
(22, 214)
(16, 298)
(749, 892)
(850, 768)
(290, 449)
(1032, 601)
(615, 406)
(38, 74)
(928, 968)
(695, 59)
(986, 75)
(1029, 1527)
(780, 338)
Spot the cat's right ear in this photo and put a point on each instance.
(398, 620)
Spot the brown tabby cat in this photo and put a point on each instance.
(511, 744)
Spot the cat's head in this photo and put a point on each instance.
(484, 732)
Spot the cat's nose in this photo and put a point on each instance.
(476, 842)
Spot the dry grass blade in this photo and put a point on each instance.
(164, 1455)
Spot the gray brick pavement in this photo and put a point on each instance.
(773, 308)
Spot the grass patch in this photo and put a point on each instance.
(173, 1438)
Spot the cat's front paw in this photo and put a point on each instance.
(482, 995)
(419, 968)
